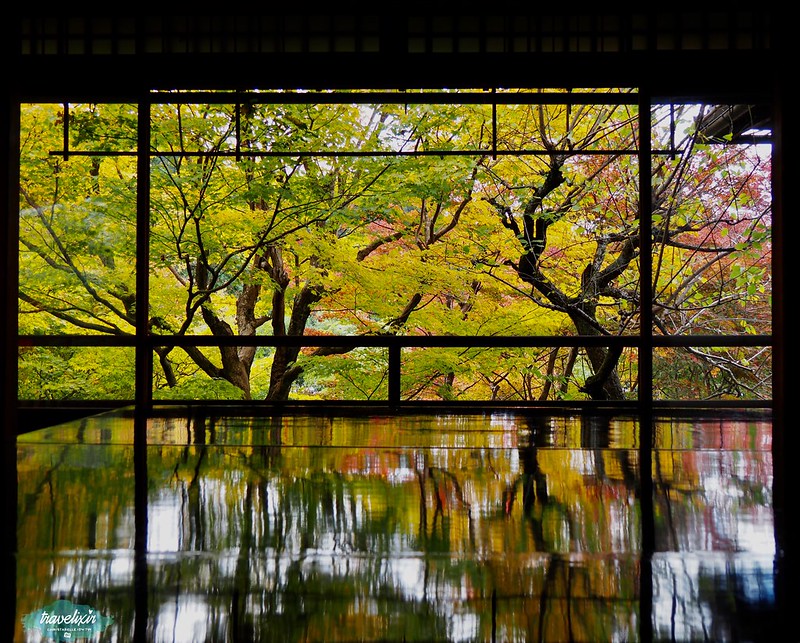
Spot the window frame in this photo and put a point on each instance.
(645, 343)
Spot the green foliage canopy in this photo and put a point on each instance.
(401, 219)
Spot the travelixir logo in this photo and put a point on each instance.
(62, 620)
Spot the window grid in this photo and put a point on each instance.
(645, 343)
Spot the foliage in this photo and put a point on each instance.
(394, 219)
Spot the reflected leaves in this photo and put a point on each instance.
(438, 528)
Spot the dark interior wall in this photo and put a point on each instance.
(675, 49)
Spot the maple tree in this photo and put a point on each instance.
(392, 219)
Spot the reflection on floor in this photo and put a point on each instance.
(494, 527)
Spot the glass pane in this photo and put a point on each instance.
(196, 373)
(721, 373)
(569, 129)
(102, 128)
(77, 225)
(352, 375)
(712, 222)
(236, 373)
(76, 373)
(180, 128)
(405, 128)
(515, 374)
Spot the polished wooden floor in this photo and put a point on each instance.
(414, 527)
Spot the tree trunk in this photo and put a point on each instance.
(605, 383)
(284, 370)
(233, 369)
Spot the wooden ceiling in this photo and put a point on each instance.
(675, 50)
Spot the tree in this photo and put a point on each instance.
(702, 194)
(344, 219)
